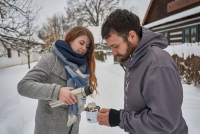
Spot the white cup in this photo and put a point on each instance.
(91, 114)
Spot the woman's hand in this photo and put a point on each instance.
(66, 96)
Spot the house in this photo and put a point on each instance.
(100, 44)
(14, 57)
(177, 20)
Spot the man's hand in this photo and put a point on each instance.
(103, 117)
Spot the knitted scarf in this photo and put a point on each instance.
(77, 74)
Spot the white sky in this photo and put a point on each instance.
(53, 6)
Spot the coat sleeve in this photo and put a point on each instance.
(33, 86)
(162, 92)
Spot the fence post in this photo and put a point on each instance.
(116, 59)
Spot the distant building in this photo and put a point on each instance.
(17, 58)
(100, 44)
(177, 20)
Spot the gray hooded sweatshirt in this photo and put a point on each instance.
(153, 92)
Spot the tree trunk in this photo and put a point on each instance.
(29, 61)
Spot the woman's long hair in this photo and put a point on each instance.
(73, 34)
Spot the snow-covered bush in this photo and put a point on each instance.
(187, 58)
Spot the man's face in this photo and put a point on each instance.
(120, 48)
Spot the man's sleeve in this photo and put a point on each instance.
(162, 91)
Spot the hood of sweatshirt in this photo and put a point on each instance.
(148, 40)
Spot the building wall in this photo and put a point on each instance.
(184, 8)
(199, 32)
(157, 11)
(15, 60)
(175, 28)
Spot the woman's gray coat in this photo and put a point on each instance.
(43, 82)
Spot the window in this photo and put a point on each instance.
(9, 52)
(193, 35)
(18, 53)
(166, 34)
(190, 34)
(187, 35)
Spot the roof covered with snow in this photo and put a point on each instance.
(174, 17)
(33, 38)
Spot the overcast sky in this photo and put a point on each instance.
(53, 6)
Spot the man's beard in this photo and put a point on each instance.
(130, 48)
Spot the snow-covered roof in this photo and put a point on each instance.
(96, 31)
(183, 14)
(33, 38)
(38, 40)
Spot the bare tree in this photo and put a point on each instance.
(30, 42)
(93, 12)
(28, 46)
(25, 44)
(16, 17)
(55, 28)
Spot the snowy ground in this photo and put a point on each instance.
(17, 112)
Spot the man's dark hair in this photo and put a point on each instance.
(122, 22)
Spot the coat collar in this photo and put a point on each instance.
(59, 69)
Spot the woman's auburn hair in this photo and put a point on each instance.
(73, 34)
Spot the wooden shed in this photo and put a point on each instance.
(177, 20)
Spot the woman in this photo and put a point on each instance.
(53, 79)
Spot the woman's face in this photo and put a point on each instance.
(80, 44)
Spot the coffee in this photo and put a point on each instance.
(91, 106)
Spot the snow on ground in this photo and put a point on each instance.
(17, 113)
(191, 108)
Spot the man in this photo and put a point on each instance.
(153, 92)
